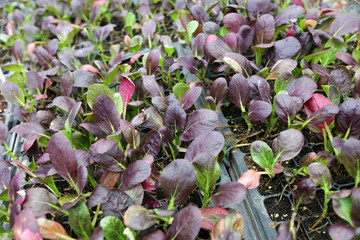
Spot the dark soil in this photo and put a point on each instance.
(278, 211)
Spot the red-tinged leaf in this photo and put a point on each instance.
(346, 58)
(126, 90)
(305, 190)
(25, 220)
(30, 235)
(186, 224)
(316, 102)
(320, 174)
(218, 90)
(135, 57)
(210, 38)
(89, 68)
(106, 114)
(211, 215)
(15, 186)
(50, 229)
(250, 179)
(229, 193)
(230, 221)
(190, 97)
(151, 144)
(152, 86)
(62, 156)
(217, 48)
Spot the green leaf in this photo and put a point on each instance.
(4, 37)
(207, 176)
(343, 208)
(130, 19)
(118, 103)
(80, 141)
(223, 31)
(4, 196)
(14, 67)
(179, 89)
(191, 28)
(96, 90)
(174, 15)
(79, 220)
(262, 154)
(110, 77)
(169, 50)
(332, 93)
(18, 79)
(113, 228)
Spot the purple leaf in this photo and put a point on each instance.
(152, 86)
(199, 122)
(351, 155)
(117, 203)
(199, 13)
(233, 21)
(340, 77)
(100, 195)
(286, 48)
(288, 144)
(38, 200)
(305, 190)
(178, 179)
(284, 232)
(101, 33)
(229, 193)
(154, 118)
(344, 24)
(198, 45)
(217, 48)
(259, 110)
(15, 185)
(52, 46)
(238, 63)
(190, 97)
(301, 82)
(229, 234)
(324, 72)
(239, 91)
(259, 88)
(107, 154)
(264, 29)
(62, 156)
(192, 64)
(82, 175)
(148, 29)
(210, 142)
(175, 117)
(4, 133)
(18, 51)
(138, 218)
(186, 224)
(233, 220)
(320, 174)
(355, 218)
(25, 221)
(211, 215)
(339, 231)
(349, 117)
(106, 114)
(97, 234)
(245, 38)
(84, 78)
(29, 130)
(64, 103)
(322, 114)
(135, 174)
(231, 39)
(291, 12)
(152, 61)
(218, 90)
(93, 128)
(155, 235)
(286, 107)
(256, 8)
(35, 81)
(151, 144)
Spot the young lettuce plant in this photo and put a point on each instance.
(284, 147)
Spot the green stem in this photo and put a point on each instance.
(96, 215)
(4, 213)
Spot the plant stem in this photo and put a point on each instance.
(96, 215)
(323, 215)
